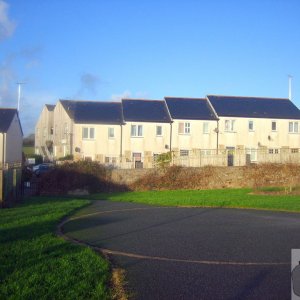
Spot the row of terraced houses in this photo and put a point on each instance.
(215, 130)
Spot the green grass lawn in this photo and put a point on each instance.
(237, 198)
(28, 150)
(36, 264)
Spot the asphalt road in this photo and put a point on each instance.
(193, 253)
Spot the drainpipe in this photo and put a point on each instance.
(121, 143)
(3, 150)
(170, 137)
(217, 136)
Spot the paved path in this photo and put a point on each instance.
(193, 253)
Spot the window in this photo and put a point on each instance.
(205, 127)
(250, 125)
(44, 132)
(273, 151)
(294, 150)
(51, 131)
(184, 128)
(274, 125)
(111, 132)
(66, 128)
(252, 152)
(293, 127)
(136, 130)
(184, 152)
(229, 125)
(88, 133)
(159, 130)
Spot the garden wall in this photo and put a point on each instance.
(209, 177)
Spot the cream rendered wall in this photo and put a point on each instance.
(101, 146)
(149, 143)
(262, 135)
(196, 139)
(63, 132)
(43, 129)
(14, 142)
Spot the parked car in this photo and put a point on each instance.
(42, 168)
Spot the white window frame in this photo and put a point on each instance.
(90, 133)
(184, 152)
(293, 127)
(159, 128)
(251, 125)
(229, 125)
(205, 127)
(184, 128)
(111, 132)
(253, 154)
(136, 131)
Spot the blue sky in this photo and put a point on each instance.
(103, 50)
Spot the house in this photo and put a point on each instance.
(146, 132)
(257, 125)
(11, 137)
(194, 125)
(87, 129)
(44, 132)
(216, 130)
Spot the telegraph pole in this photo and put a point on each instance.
(19, 94)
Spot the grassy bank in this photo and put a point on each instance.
(36, 264)
(236, 198)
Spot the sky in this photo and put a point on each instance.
(109, 49)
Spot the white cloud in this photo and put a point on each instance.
(7, 26)
(117, 97)
(129, 94)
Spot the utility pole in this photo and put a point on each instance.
(19, 94)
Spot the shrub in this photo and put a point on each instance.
(86, 175)
(67, 157)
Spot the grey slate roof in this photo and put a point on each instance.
(50, 107)
(190, 108)
(6, 117)
(254, 107)
(90, 112)
(139, 110)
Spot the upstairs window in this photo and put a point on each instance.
(250, 125)
(184, 128)
(136, 130)
(293, 127)
(205, 127)
(229, 125)
(88, 133)
(274, 126)
(111, 132)
(159, 130)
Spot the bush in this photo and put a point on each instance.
(163, 160)
(67, 157)
(83, 175)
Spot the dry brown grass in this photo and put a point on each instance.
(209, 177)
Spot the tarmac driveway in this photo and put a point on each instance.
(193, 253)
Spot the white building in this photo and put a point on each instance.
(11, 137)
